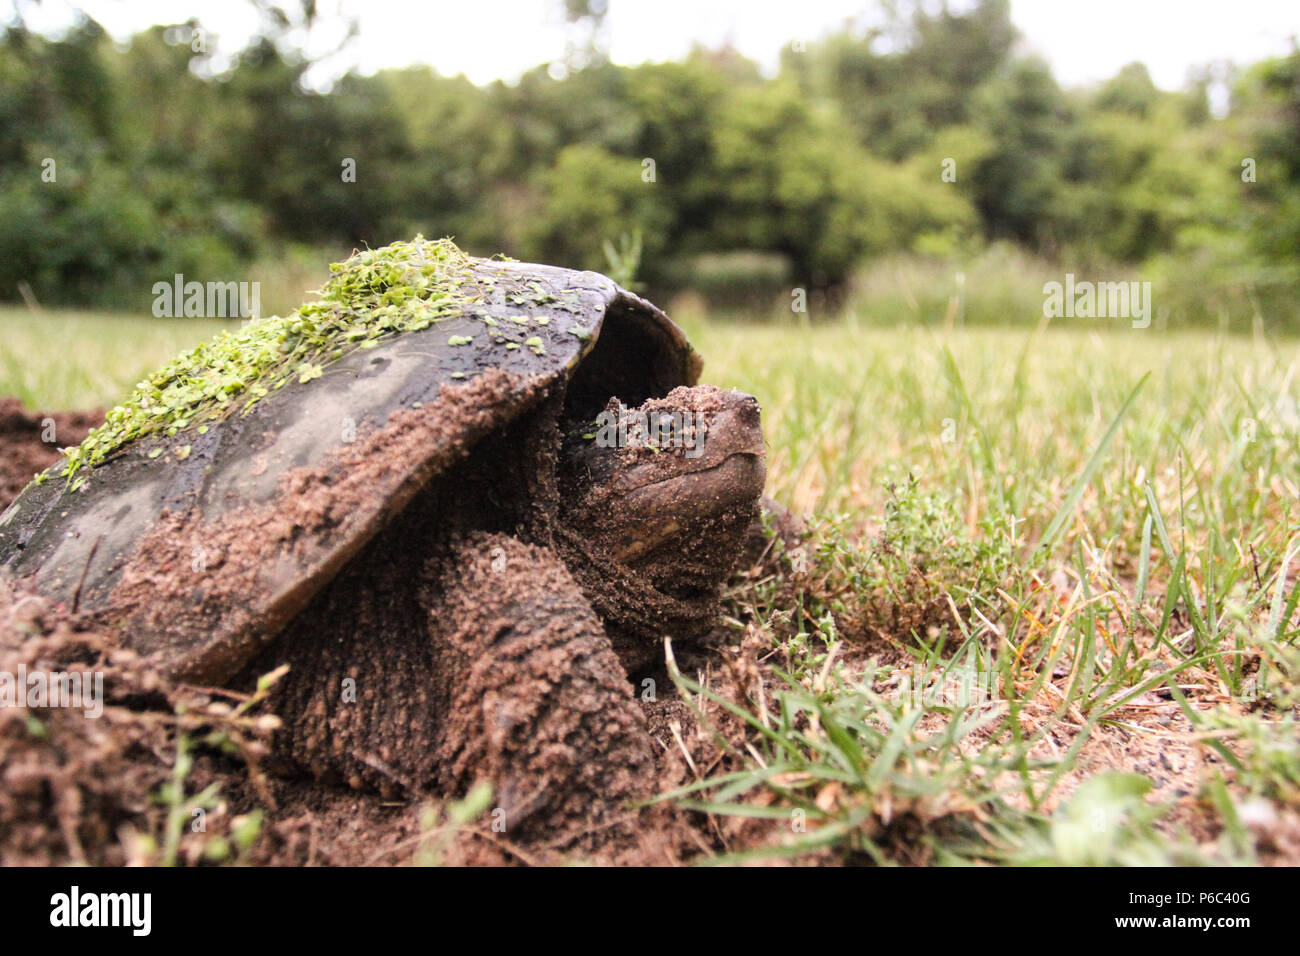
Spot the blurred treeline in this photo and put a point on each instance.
(701, 174)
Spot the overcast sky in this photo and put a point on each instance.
(1084, 40)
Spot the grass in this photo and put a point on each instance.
(59, 359)
(1095, 528)
(1110, 516)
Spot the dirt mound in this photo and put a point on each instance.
(97, 760)
(30, 442)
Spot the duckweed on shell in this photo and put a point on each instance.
(403, 287)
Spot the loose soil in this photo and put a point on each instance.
(30, 442)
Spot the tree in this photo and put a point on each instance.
(1017, 186)
(591, 196)
(901, 81)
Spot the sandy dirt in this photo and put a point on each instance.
(30, 442)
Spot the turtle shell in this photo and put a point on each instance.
(184, 543)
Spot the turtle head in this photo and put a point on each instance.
(668, 489)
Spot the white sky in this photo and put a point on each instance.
(1084, 40)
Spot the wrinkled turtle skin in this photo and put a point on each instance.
(461, 581)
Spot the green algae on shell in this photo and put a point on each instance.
(403, 287)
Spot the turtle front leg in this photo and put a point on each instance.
(540, 705)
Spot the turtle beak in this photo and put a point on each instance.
(736, 430)
(688, 500)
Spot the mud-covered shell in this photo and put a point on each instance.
(72, 546)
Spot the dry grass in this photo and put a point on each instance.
(1120, 578)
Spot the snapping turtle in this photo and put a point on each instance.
(464, 499)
